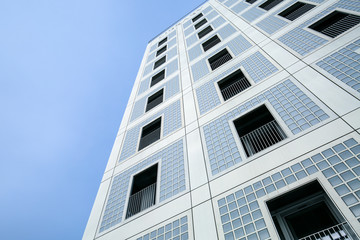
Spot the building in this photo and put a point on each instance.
(243, 123)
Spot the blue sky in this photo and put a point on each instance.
(66, 72)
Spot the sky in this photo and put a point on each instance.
(66, 71)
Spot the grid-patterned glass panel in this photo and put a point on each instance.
(176, 230)
(240, 213)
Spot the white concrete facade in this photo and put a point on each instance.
(309, 82)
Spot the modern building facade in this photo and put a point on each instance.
(243, 123)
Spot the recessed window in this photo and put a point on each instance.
(219, 59)
(155, 100)
(162, 42)
(210, 43)
(258, 130)
(143, 191)
(150, 133)
(157, 78)
(269, 4)
(197, 17)
(206, 30)
(250, 1)
(307, 213)
(161, 50)
(160, 62)
(233, 84)
(296, 10)
(199, 24)
(335, 23)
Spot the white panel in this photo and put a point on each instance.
(353, 118)
(196, 160)
(189, 108)
(280, 55)
(200, 195)
(114, 153)
(337, 99)
(95, 214)
(204, 224)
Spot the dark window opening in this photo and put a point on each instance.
(204, 32)
(155, 100)
(250, 1)
(160, 51)
(258, 130)
(150, 133)
(308, 213)
(296, 10)
(199, 24)
(143, 191)
(197, 17)
(159, 62)
(335, 23)
(157, 78)
(211, 42)
(269, 4)
(219, 59)
(233, 84)
(162, 42)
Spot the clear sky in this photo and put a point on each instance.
(66, 71)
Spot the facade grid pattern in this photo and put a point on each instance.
(295, 108)
(172, 182)
(240, 213)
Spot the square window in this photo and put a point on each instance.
(150, 133)
(258, 130)
(269, 4)
(161, 50)
(307, 213)
(335, 23)
(219, 59)
(155, 100)
(250, 1)
(160, 62)
(205, 31)
(296, 10)
(197, 17)
(157, 78)
(199, 24)
(162, 42)
(211, 43)
(233, 84)
(143, 191)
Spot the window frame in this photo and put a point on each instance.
(161, 117)
(162, 90)
(197, 34)
(208, 39)
(159, 54)
(247, 76)
(157, 193)
(151, 78)
(155, 62)
(213, 54)
(319, 34)
(162, 41)
(278, 119)
(197, 26)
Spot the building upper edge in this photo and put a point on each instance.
(178, 20)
